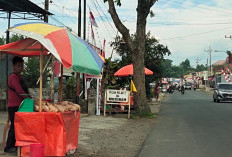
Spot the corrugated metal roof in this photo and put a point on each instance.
(220, 62)
(21, 6)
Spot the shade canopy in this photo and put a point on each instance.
(26, 48)
(72, 51)
(128, 70)
(21, 6)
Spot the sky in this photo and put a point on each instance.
(187, 27)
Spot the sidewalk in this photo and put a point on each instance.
(3, 117)
(207, 89)
(156, 105)
(3, 120)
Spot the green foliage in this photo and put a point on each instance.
(70, 88)
(31, 72)
(228, 52)
(154, 57)
(16, 37)
(13, 38)
(152, 14)
(201, 68)
(2, 40)
(110, 68)
(173, 71)
(118, 2)
(148, 115)
(166, 66)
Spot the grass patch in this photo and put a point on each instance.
(148, 115)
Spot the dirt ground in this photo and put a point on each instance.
(114, 136)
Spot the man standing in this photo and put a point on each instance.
(156, 91)
(16, 94)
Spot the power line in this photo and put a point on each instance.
(65, 8)
(189, 24)
(109, 32)
(197, 34)
(101, 16)
(106, 17)
(222, 12)
(65, 14)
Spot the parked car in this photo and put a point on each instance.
(222, 92)
(188, 85)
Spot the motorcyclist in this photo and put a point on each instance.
(182, 89)
(194, 85)
(171, 89)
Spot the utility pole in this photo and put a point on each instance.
(209, 51)
(7, 57)
(46, 8)
(78, 79)
(197, 61)
(84, 35)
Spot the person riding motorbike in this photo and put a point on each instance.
(195, 86)
(171, 89)
(182, 89)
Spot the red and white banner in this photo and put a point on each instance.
(92, 19)
(92, 33)
(227, 77)
(229, 71)
(103, 49)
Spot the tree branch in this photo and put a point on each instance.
(118, 24)
(152, 2)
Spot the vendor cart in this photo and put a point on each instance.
(56, 131)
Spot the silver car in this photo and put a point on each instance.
(188, 85)
(222, 92)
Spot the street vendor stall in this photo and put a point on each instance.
(57, 132)
(115, 98)
(55, 126)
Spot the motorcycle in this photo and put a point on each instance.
(171, 91)
(182, 92)
(182, 89)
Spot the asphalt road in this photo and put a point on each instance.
(191, 125)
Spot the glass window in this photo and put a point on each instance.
(225, 86)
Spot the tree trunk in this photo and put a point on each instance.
(137, 47)
(230, 58)
(141, 105)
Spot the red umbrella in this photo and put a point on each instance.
(164, 82)
(128, 70)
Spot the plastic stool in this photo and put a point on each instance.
(37, 150)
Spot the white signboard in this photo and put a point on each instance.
(117, 95)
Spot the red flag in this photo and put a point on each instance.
(103, 51)
(92, 33)
(92, 19)
(56, 71)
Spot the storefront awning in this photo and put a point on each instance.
(22, 6)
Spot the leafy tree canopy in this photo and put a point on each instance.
(154, 57)
(31, 72)
(201, 68)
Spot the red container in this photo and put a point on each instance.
(37, 150)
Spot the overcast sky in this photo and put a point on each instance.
(187, 27)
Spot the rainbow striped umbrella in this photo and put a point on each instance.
(72, 51)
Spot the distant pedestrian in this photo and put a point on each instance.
(156, 91)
